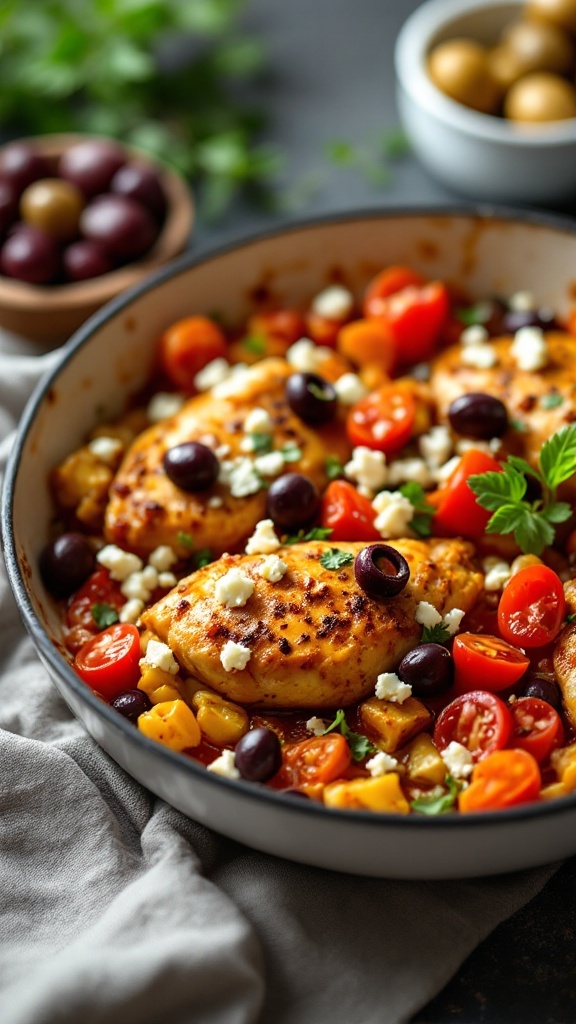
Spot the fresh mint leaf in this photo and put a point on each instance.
(437, 634)
(558, 456)
(333, 467)
(551, 400)
(291, 453)
(335, 559)
(104, 614)
(438, 804)
(360, 746)
(261, 443)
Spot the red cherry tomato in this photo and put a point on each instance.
(347, 513)
(479, 720)
(322, 329)
(502, 779)
(387, 282)
(537, 727)
(458, 512)
(109, 663)
(187, 346)
(285, 325)
(486, 662)
(415, 313)
(99, 588)
(320, 759)
(383, 420)
(532, 607)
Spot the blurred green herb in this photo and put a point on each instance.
(333, 467)
(372, 160)
(104, 614)
(438, 804)
(291, 452)
(316, 533)
(421, 521)
(360, 746)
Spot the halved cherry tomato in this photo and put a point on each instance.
(532, 607)
(321, 329)
(109, 663)
(347, 513)
(503, 779)
(286, 325)
(383, 420)
(99, 588)
(479, 720)
(187, 346)
(537, 727)
(458, 512)
(415, 315)
(387, 282)
(367, 342)
(486, 662)
(320, 759)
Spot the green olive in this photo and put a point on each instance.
(460, 68)
(539, 46)
(559, 12)
(54, 206)
(541, 96)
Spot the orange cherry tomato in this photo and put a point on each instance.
(503, 779)
(320, 759)
(367, 342)
(285, 325)
(321, 329)
(383, 420)
(347, 513)
(479, 720)
(532, 607)
(109, 663)
(458, 512)
(187, 346)
(537, 727)
(389, 281)
(486, 662)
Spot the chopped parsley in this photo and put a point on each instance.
(335, 559)
(104, 614)
(518, 425)
(317, 533)
(360, 746)
(261, 443)
(291, 452)
(333, 467)
(472, 315)
(551, 400)
(421, 521)
(202, 557)
(438, 804)
(185, 539)
(437, 634)
(255, 344)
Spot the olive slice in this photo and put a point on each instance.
(381, 571)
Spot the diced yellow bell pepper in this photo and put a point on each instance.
(171, 723)
(553, 791)
(564, 763)
(423, 762)
(159, 685)
(383, 794)
(392, 725)
(221, 721)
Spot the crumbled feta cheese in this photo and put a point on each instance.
(162, 558)
(258, 421)
(215, 372)
(522, 302)
(235, 384)
(316, 726)
(458, 760)
(163, 405)
(131, 611)
(247, 444)
(335, 302)
(270, 464)
(221, 451)
(427, 615)
(350, 389)
(443, 473)
(435, 446)
(496, 571)
(529, 349)
(381, 764)
(476, 334)
(233, 589)
(453, 619)
(481, 357)
(263, 541)
(120, 564)
(159, 655)
(234, 655)
(390, 687)
(367, 468)
(402, 470)
(167, 580)
(272, 568)
(306, 357)
(135, 586)
(240, 476)
(395, 513)
(150, 577)
(225, 765)
(215, 501)
(107, 449)
(466, 444)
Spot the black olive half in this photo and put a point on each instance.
(381, 571)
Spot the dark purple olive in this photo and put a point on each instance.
(515, 319)
(478, 415)
(544, 689)
(142, 183)
(381, 571)
(132, 703)
(8, 204)
(31, 255)
(191, 466)
(428, 669)
(258, 755)
(85, 259)
(311, 397)
(292, 500)
(124, 227)
(66, 563)
(91, 165)
(21, 164)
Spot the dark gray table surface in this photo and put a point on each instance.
(332, 78)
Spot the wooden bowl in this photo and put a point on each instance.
(49, 313)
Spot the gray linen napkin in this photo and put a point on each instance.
(116, 908)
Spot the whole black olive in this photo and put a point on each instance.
(66, 563)
(515, 319)
(428, 669)
(544, 689)
(311, 397)
(258, 755)
(292, 500)
(386, 579)
(478, 415)
(132, 703)
(191, 466)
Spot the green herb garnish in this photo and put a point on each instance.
(104, 614)
(552, 400)
(531, 523)
(360, 746)
(438, 804)
(570, 618)
(421, 522)
(472, 315)
(333, 467)
(437, 634)
(291, 453)
(518, 425)
(316, 533)
(322, 394)
(335, 559)
(254, 344)
(202, 557)
(261, 443)
(185, 540)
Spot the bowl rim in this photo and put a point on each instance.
(45, 645)
(410, 50)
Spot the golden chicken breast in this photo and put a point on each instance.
(147, 509)
(542, 401)
(314, 637)
(565, 657)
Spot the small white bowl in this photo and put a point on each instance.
(478, 155)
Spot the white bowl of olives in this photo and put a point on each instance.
(486, 91)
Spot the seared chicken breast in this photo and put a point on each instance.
(147, 509)
(565, 657)
(315, 638)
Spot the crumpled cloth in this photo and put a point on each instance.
(117, 909)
